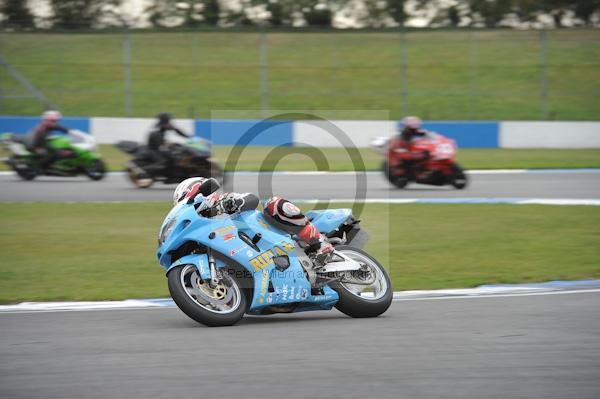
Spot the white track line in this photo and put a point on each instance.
(375, 172)
(458, 200)
(515, 294)
(430, 201)
(467, 293)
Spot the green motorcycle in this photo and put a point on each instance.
(76, 154)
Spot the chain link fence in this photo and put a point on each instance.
(442, 75)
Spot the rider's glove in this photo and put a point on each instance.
(230, 204)
(209, 207)
(215, 205)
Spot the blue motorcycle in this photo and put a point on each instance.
(221, 268)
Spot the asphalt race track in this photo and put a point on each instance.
(545, 346)
(550, 184)
(539, 346)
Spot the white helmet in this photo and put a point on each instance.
(202, 185)
(53, 116)
(412, 122)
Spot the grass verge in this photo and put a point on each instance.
(106, 251)
(437, 74)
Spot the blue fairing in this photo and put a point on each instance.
(223, 235)
(198, 260)
(329, 219)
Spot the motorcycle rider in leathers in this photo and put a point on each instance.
(278, 211)
(410, 129)
(39, 137)
(156, 140)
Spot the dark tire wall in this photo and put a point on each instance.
(194, 311)
(97, 170)
(354, 306)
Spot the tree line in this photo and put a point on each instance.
(91, 14)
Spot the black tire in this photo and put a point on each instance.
(459, 177)
(96, 170)
(140, 181)
(27, 173)
(196, 312)
(355, 306)
(398, 181)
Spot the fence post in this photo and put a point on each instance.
(403, 72)
(544, 74)
(473, 74)
(264, 74)
(127, 73)
(23, 81)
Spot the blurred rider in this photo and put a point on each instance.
(156, 140)
(39, 137)
(410, 129)
(278, 211)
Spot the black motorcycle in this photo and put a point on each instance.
(181, 162)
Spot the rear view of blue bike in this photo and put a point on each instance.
(221, 268)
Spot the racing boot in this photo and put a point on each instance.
(288, 217)
(317, 244)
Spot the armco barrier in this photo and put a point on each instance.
(112, 130)
(23, 124)
(315, 133)
(468, 134)
(550, 134)
(231, 132)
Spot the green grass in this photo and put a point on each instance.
(106, 251)
(478, 158)
(339, 160)
(253, 158)
(448, 75)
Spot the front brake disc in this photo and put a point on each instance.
(219, 295)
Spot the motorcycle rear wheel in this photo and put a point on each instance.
(354, 301)
(398, 181)
(223, 305)
(140, 180)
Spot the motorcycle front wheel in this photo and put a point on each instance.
(223, 304)
(358, 300)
